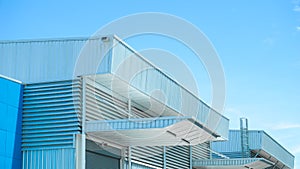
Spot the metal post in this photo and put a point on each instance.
(83, 119)
(129, 147)
(129, 108)
(191, 157)
(129, 157)
(122, 160)
(164, 157)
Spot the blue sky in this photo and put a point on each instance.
(258, 43)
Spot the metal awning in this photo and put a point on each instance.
(161, 131)
(238, 163)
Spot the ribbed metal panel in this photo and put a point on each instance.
(51, 114)
(49, 159)
(34, 61)
(201, 151)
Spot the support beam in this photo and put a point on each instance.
(164, 157)
(129, 157)
(191, 157)
(257, 153)
(129, 108)
(275, 165)
(83, 120)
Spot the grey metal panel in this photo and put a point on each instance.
(51, 114)
(49, 159)
(32, 61)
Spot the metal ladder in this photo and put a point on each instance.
(244, 137)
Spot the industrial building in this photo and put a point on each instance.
(88, 103)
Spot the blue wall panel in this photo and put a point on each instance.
(10, 124)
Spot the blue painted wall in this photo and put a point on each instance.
(10, 124)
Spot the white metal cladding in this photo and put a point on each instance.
(42, 60)
(49, 159)
(177, 157)
(51, 114)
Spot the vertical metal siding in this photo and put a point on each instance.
(34, 61)
(49, 159)
(51, 114)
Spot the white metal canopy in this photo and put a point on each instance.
(161, 131)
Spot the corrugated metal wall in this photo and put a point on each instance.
(50, 122)
(62, 158)
(34, 61)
